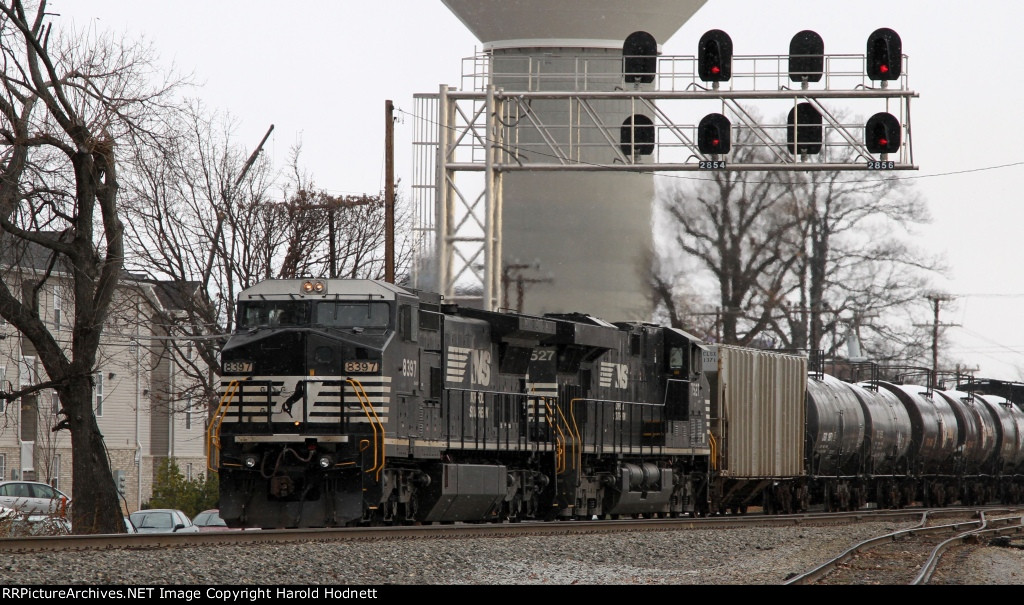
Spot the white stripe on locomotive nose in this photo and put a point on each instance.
(251, 400)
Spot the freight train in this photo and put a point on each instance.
(349, 402)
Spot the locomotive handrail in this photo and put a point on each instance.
(559, 440)
(714, 451)
(577, 454)
(578, 451)
(371, 415)
(213, 431)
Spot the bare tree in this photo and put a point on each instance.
(204, 218)
(735, 226)
(193, 205)
(795, 255)
(68, 103)
(853, 265)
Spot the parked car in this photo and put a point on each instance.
(33, 497)
(210, 520)
(129, 527)
(162, 521)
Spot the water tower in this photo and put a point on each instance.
(571, 240)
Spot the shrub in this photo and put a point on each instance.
(172, 490)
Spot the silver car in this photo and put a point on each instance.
(33, 497)
(162, 521)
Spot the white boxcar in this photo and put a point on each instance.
(757, 411)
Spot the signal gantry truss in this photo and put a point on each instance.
(590, 113)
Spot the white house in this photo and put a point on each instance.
(142, 402)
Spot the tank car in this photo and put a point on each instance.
(858, 441)
(934, 438)
(355, 401)
(1005, 469)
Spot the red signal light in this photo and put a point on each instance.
(716, 142)
(716, 69)
(883, 68)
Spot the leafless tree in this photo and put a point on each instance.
(735, 226)
(855, 265)
(70, 103)
(209, 220)
(799, 258)
(198, 218)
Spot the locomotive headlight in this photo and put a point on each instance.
(326, 462)
(314, 286)
(250, 461)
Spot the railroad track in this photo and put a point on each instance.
(910, 556)
(459, 530)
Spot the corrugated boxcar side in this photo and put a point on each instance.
(758, 411)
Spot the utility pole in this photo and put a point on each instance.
(937, 299)
(389, 193)
(331, 209)
(514, 271)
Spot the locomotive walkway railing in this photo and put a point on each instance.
(496, 419)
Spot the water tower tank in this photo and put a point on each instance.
(583, 239)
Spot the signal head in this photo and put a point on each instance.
(884, 59)
(714, 56)
(882, 133)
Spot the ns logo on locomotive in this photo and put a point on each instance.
(349, 402)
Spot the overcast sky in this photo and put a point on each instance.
(321, 71)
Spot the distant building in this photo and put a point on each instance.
(143, 405)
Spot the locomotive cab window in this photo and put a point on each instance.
(353, 314)
(407, 323)
(273, 314)
(676, 361)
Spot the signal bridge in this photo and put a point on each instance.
(636, 111)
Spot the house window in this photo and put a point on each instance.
(26, 371)
(188, 413)
(56, 311)
(55, 479)
(4, 387)
(97, 392)
(3, 466)
(54, 403)
(188, 471)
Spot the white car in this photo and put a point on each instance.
(162, 521)
(34, 498)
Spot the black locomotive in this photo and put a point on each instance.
(355, 402)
